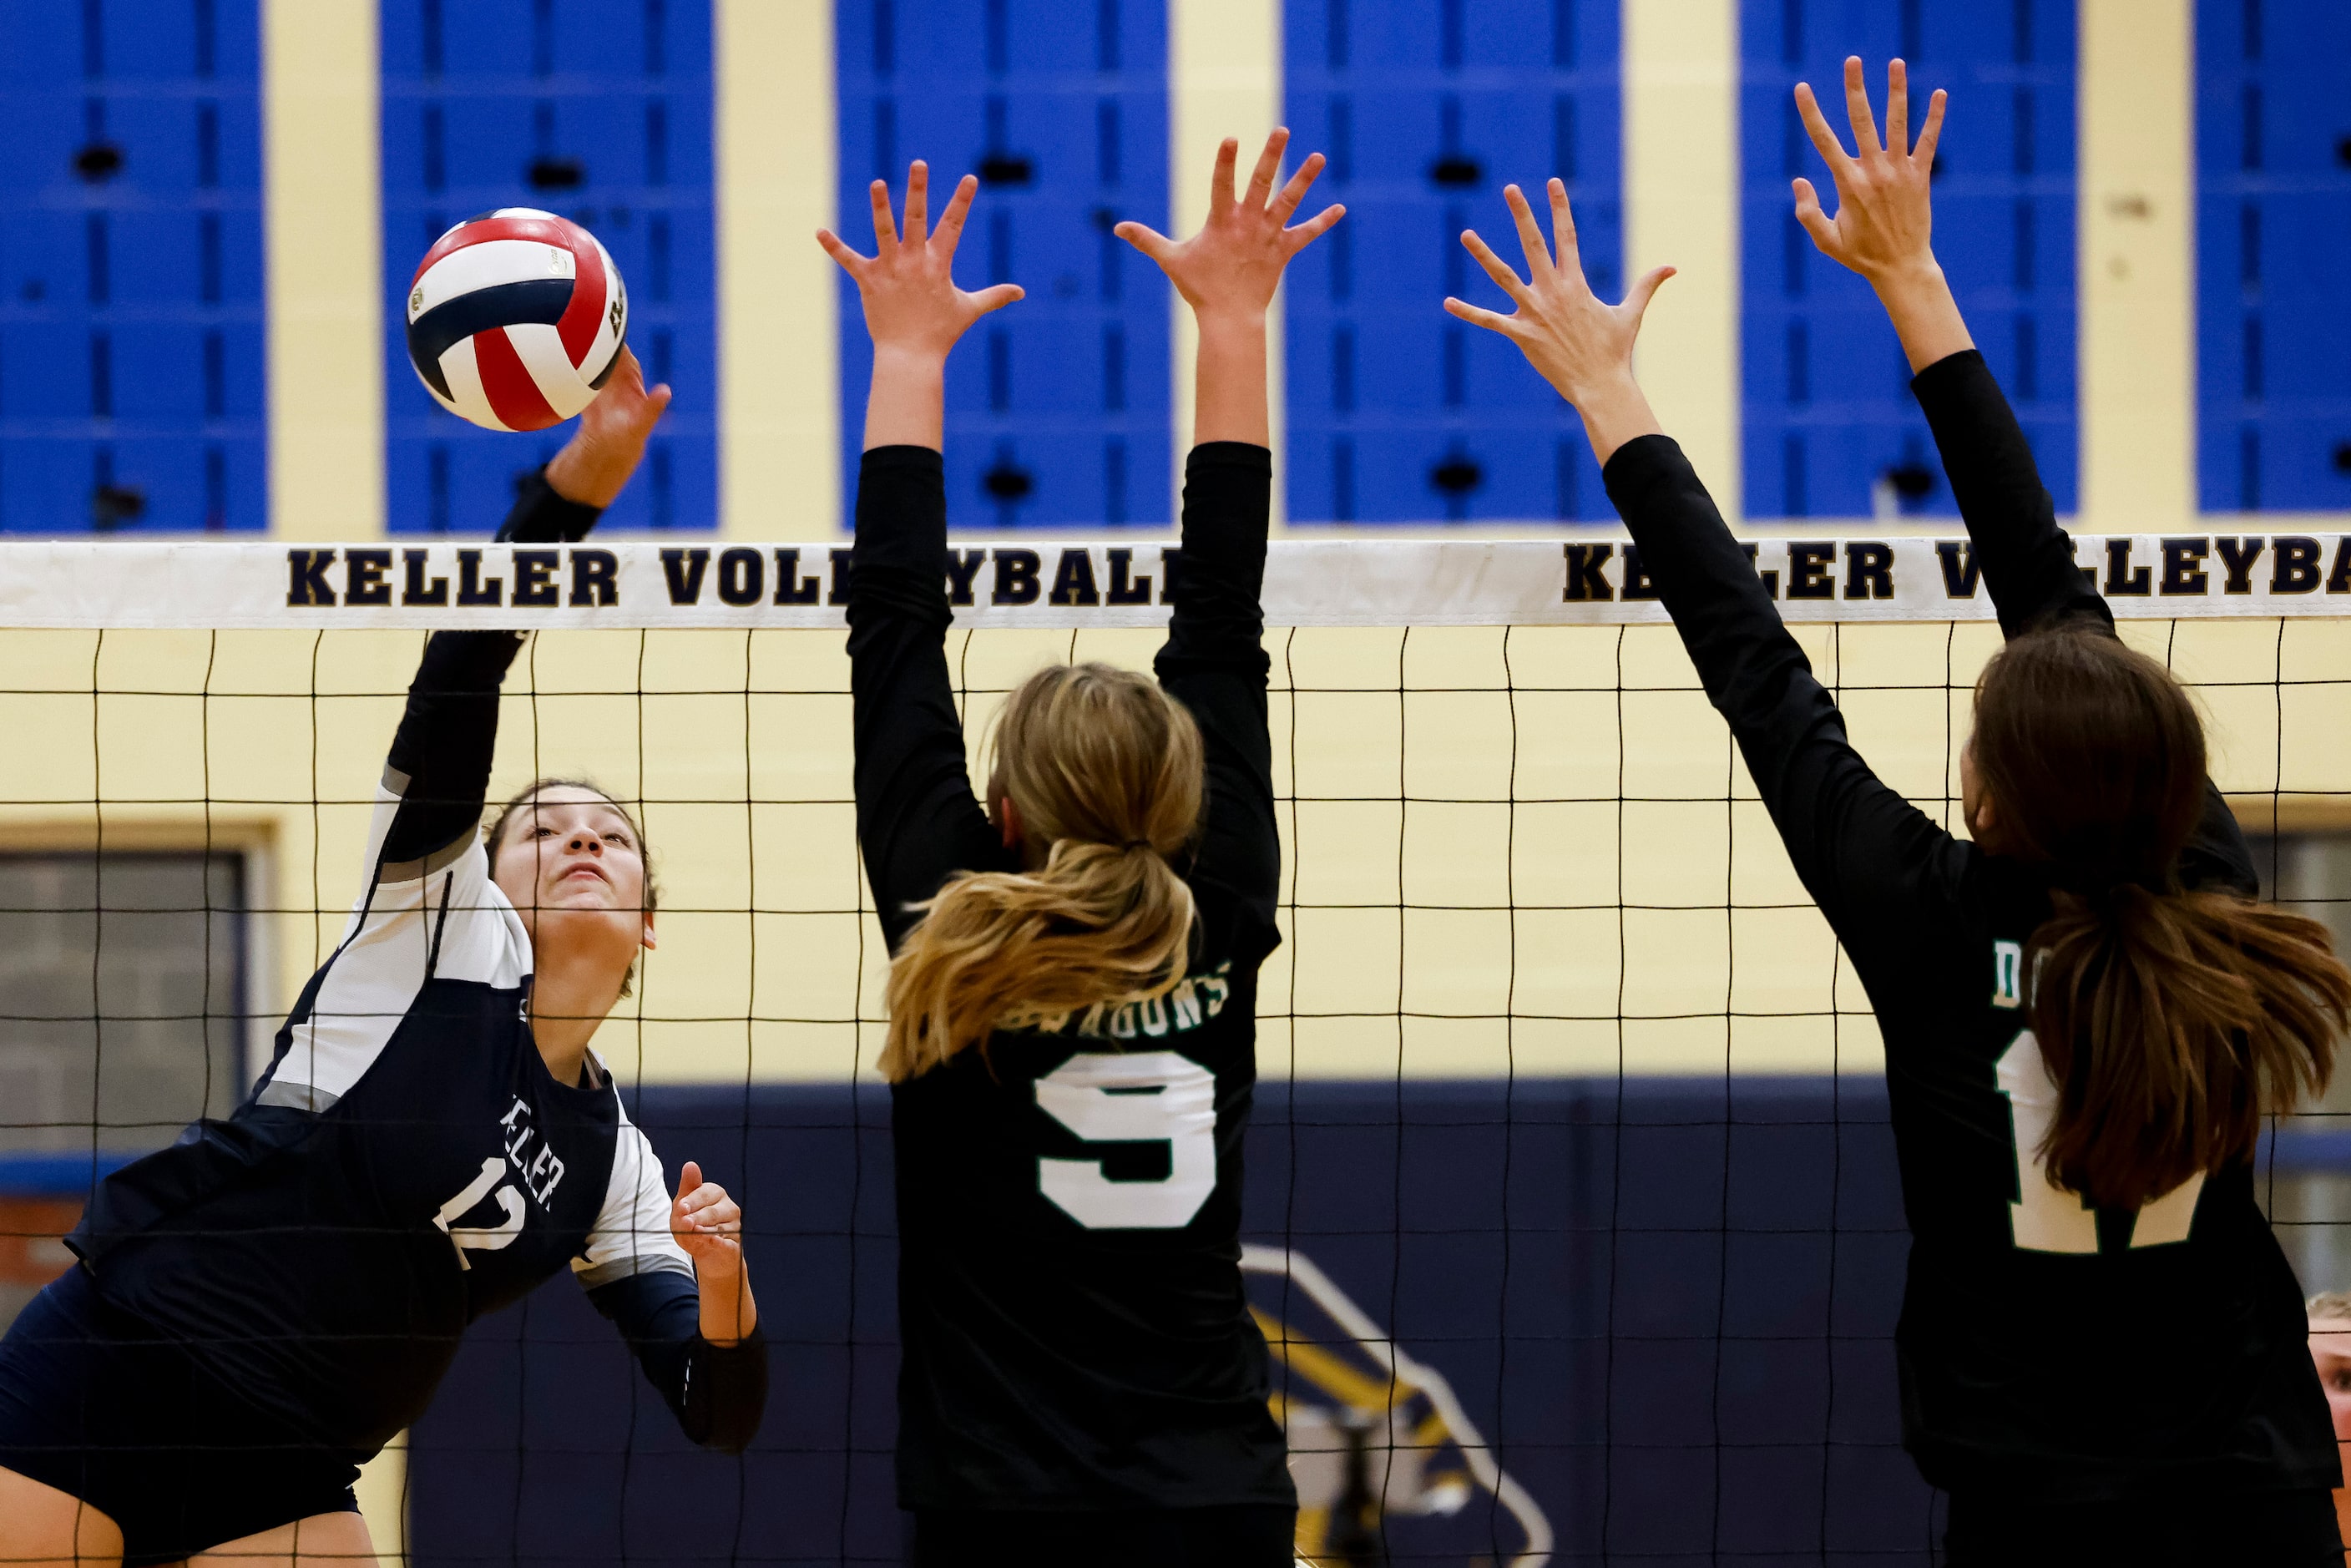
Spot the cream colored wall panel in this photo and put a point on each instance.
(1568, 748)
(1346, 959)
(323, 224)
(1348, 744)
(1680, 65)
(779, 355)
(1224, 78)
(1677, 962)
(1568, 962)
(2136, 232)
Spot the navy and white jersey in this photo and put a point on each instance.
(407, 1163)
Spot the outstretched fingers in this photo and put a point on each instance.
(1931, 132)
(918, 201)
(1294, 192)
(950, 229)
(1531, 239)
(1857, 108)
(1897, 109)
(1637, 301)
(1496, 267)
(1300, 236)
(885, 223)
(1478, 316)
(1562, 227)
(850, 262)
(1146, 239)
(1269, 165)
(1220, 181)
(996, 297)
(1816, 124)
(1816, 223)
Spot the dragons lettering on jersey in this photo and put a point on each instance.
(1192, 1001)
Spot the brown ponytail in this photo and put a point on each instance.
(2172, 1021)
(1106, 771)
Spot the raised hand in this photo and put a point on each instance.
(1580, 344)
(610, 439)
(1234, 264)
(912, 303)
(1884, 216)
(709, 1225)
(1884, 225)
(914, 311)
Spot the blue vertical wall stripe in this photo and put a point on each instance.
(597, 109)
(1398, 411)
(131, 309)
(1058, 406)
(1830, 428)
(2273, 255)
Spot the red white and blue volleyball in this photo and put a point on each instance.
(516, 319)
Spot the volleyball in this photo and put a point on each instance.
(515, 319)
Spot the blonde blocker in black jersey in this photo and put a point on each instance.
(2050, 1353)
(1074, 1332)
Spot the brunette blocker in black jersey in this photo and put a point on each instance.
(2115, 1379)
(1073, 996)
(259, 1308)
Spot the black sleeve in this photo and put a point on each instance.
(717, 1395)
(540, 516)
(1215, 663)
(2027, 560)
(917, 821)
(1874, 862)
(440, 762)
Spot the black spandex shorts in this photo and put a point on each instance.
(2240, 1529)
(1256, 1535)
(95, 1404)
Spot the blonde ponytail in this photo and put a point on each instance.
(1107, 773)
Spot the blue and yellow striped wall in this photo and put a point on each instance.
(206, 204)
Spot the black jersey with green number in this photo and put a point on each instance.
(1074, 1332)
(2048, 1351)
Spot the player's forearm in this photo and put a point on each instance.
(728, 1311)
(446, 740)
(1919, 301)
(906, 404)
(1229, 402)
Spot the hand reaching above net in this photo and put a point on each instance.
(914, 311)
(610, 440)
(1227, 273)
(1884, 224)
(1581, 345)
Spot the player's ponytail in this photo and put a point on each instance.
(1106, 771)
(2170, 1020)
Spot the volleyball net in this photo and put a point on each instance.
(1571, 1213)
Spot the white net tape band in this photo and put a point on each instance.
(1592, 581)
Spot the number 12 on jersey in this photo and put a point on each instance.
(1141, 1097)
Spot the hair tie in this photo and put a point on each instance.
(1133, 844)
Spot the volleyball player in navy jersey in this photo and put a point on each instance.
(259, 1308)
(2084, 1015)
(1073, 993)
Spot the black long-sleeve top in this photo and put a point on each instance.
(406, 1163)
(1074, 1331)
(2046, 1351)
